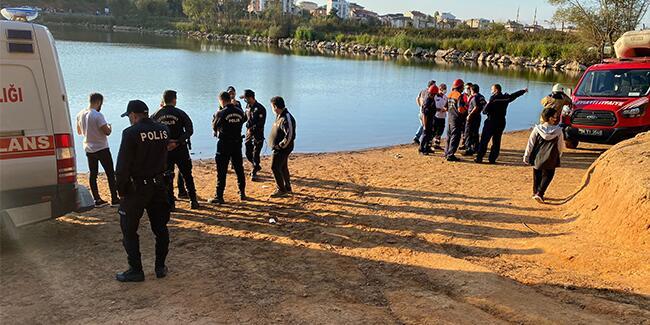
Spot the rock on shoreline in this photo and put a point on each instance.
(441, 55)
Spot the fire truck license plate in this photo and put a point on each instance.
(591, 132)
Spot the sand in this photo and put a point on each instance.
(380, 236)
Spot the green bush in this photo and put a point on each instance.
(304, 33)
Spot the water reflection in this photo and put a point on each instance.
(341, 101)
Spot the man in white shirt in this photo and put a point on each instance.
(95, 130)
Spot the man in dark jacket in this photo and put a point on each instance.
(181, 129)
(473, 126)
(428, 112)
(495, 124)
(256, 115)
(282, 138)
(227, 125)
(142, 185)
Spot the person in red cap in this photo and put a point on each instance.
(457, 108)
(428, 113)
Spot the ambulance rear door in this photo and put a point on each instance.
(27, 139)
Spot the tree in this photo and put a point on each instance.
(601, 22)
(204, 13)
(152, 7)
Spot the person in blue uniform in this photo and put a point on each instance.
(256, 116)
(181, 129)
(141, 176)
(227, 126)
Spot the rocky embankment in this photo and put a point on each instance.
(449, 55)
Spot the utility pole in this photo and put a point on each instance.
(518, 8)
(535, 18)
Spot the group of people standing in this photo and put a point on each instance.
(460, 113)
(153, 146)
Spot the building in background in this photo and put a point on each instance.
(513, 26)
(320, 12)
(478, 23)
(342, 8)
(420, 20)
(307, 6)
(446, 20)
(396, 20)
(364, 15)
(260, 5)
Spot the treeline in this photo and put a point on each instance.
(231, 17)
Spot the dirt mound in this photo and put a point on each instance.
(614, 200)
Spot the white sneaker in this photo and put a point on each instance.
(538, 198)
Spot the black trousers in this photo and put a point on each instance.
(153, 199)
(455, 131)
(229, 152)
(180, 184)
(103, 157)
(180, 157)
(492, 131)
(427, 136)
(254, 150)
(280, 168)
(472, 133)
(541, 180)
(438, 128)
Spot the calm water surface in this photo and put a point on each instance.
(340, 103)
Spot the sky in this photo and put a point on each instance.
(498, 10)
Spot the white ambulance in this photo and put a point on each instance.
(38, 175)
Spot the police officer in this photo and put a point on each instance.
(256, 115)
(142, 184)
(181, 129)
(233, 96)
(227, 125)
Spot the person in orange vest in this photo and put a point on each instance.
(457, 109)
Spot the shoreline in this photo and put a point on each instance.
(442, 56)
(384, 236)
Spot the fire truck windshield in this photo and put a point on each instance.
(615, 83)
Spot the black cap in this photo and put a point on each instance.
(248, 93)
(230, 88)
(136, 106)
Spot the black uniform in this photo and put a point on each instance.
(227, 125)
(495, 124)
(428, 111)
(281, 139)
(181, 129)
(473, 125)
(256, 115)
(142, 184)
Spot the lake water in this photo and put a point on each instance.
(340, 103)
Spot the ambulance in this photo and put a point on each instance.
(38, 175)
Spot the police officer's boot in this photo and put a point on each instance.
(161, 271)
(194, 202)
(130, 275)
(217, 200)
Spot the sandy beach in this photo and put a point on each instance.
(382, 236)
